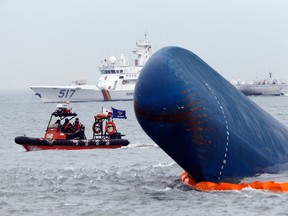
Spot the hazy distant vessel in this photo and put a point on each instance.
(264, 87)
(117, 81)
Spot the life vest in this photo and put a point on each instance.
(66, 126)
(77, 126)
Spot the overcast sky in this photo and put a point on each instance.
(50, 42)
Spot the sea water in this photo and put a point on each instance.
(140, 179)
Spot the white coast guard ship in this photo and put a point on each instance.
(117, 81)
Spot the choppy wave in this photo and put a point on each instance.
(139, 179)
(82, 188)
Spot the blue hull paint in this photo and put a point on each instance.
(212, 130)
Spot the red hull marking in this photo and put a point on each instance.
(106, 95)
(53, 147)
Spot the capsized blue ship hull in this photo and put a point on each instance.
(212, 130)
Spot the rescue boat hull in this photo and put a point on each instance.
(212, 130)
(34, 144)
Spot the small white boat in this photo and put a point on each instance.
(117, 81)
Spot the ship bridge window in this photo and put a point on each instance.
(113, 71)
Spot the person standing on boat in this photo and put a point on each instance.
(78, 129)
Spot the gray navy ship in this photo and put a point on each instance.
(267, 87)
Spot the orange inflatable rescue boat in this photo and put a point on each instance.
(62, 135)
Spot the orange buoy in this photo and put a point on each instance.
(110, 127)
(224, 186)
(96, 127)
(100, 116)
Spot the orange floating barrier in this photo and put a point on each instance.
(224, 186)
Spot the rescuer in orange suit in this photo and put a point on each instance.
(78, 129)
(67, 127)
